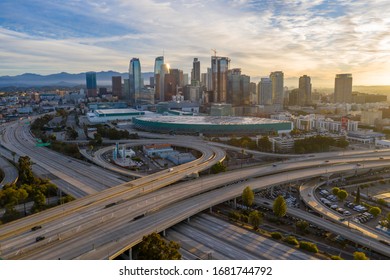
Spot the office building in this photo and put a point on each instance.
(126, 89)
(185, 79)
(265, 91)
(219, 69)
(277, 79)
(135, 80)
(294, 98)
(343, 88)
(157, 69)
(164, 70)
(209, 84)
(233, 88)
(304, 98)
(195, 73)
(117, 86)
(178, 76)
(91, 84)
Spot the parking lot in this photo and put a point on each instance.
(347, 210)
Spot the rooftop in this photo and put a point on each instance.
(207, 120)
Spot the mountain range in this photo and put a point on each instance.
(103, 78)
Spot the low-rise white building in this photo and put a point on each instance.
(107, 115)
(382, 143)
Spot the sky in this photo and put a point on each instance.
(308, 37)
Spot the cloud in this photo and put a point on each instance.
(313, 37)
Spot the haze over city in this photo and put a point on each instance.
(317, 38)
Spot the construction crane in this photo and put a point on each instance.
(214, 51)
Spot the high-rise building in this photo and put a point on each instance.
(304, 97)
(294, 97)
(265, 91)
(245, 90)
(219, 69)
(233, 88)
(195, 73)
(253, 93)
(117, 86)
(126, 89)
(238, 89)
(157, 69)
(343, 88)
(277, 79)
(185, 79)
(209, 84)
(169, 87)
(135, 79)
(203, 79)
(91, 84)
(164, 70)
(178, 75)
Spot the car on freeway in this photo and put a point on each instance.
(39, 238)
(36, 228)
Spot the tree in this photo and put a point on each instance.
(218, 167)
(360, 256)
(72, 133)
(335, 190)
(153, 247)
(388, 220)
(302, 225)
(280, 207)
(336, 257)
(375, 211)
(25, 170)
(234, 215)
(342, 195)
(39, 201)
(247, 197)
(255, 219)
(357, 198)
(264, 144)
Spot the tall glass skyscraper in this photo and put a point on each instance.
(135, 80)
(219, 69)
(163, 71)
(159, 61)
(195, 73)
(90, 78)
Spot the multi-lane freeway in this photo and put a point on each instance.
(105, 232)
(75, 177)
(232, 242)
(105, 224)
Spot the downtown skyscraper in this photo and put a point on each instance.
(135, 80)
(90, 78)
(265, 91)
(304, 95)
(343, 88)
(219, 70)
(277, 79)
(158, 62)
(116, 86)
(195, 73)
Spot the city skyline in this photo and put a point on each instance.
(315, 38)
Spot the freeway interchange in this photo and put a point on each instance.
(105, 223)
